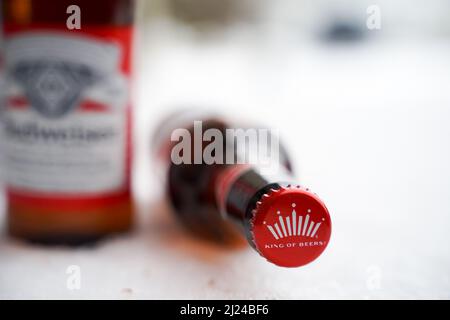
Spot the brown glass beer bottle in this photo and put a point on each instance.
(66, 124)
(220, 193)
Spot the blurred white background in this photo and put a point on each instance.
(366, 114)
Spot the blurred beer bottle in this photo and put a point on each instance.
(66, 125)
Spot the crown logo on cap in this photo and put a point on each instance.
(293, 226)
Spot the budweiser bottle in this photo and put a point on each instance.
(66, 124)
(220, 191)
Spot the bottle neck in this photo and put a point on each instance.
(240, 187)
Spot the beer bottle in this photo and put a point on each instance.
(234, 197)
(66, 120)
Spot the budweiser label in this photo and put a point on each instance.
(65, 118)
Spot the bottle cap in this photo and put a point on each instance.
(290, 226)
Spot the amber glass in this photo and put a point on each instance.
(192, 191)
(58, 221)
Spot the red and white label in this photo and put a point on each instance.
(66, 123)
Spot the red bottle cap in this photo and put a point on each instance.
(291, 226)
